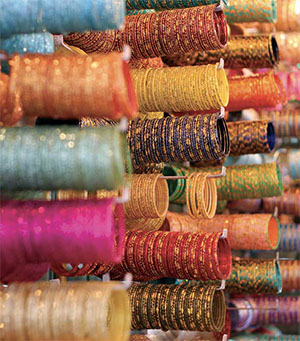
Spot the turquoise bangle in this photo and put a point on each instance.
(29, 16)
(53, 158)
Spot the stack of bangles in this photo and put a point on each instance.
(179, 139)
(260, 51)
(290, 275)
(177, 307)
(154, 96)
(245, 231)
(154, 255)
(288, 203)
(161, 5)
(290, 238)
(286, 122)
(265, 181)
(160, 34)
(262, 90)
(149, 197)
(251, 137)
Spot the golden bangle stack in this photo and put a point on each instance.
(149, 197)
(181, 89)
(288, 15)
(146, 224)
(69, 311)
(201, 195)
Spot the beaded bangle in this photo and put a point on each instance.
(180, 94)
(160, 33)
(211, 129)
(251, 137)
(263, 90)
(260, 51)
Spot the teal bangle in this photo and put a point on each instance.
(53, 158)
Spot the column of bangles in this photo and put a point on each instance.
(177, 307)
(286, 122)
(260, 51)
(290, 275)
(288, 203)
(181, 94)
(265, 181)
(160, 33)
(179, 139)
(154, 255)
(263, 90)
(245, 231)
(290, 238)
(149, 197)
(73, 311)
(99, 86)
(163, 4)
(251, 137)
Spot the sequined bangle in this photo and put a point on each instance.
(206, 28)
(263, 90)
(163, 4)
(288, 203)
(58, 72)
(260, 51)
(251, 137)
(286, 122)
(238, 185)
(257, 11)
(254, 277)
(290, 238)
(171, 314)
(211, 129)
(170, 98)
(56, 152)
(290, 275)
(148, 197)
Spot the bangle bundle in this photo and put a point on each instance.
(177, 307)
(163, 4)
(149, 197)
(145, 224)
(290, 238)
(251, 137)
(160, 33)
(291, 83)
(75, 270)
(287, 312)
(30, 272)
(84, 231)
(260, 51)
(28, 43)
(288, 16)
(158, 254)
(254, 276)
(77, 311)
(289, 46)
(245, 231)
(288, 203)
(10, 104)
(290, 275)
(75, 85)
(27, 16)
(181, 94)
(263, 90)
(286, 122)
(179, 139)
(62, 158)
(265, 181)
(243, 11)
(201, 195)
